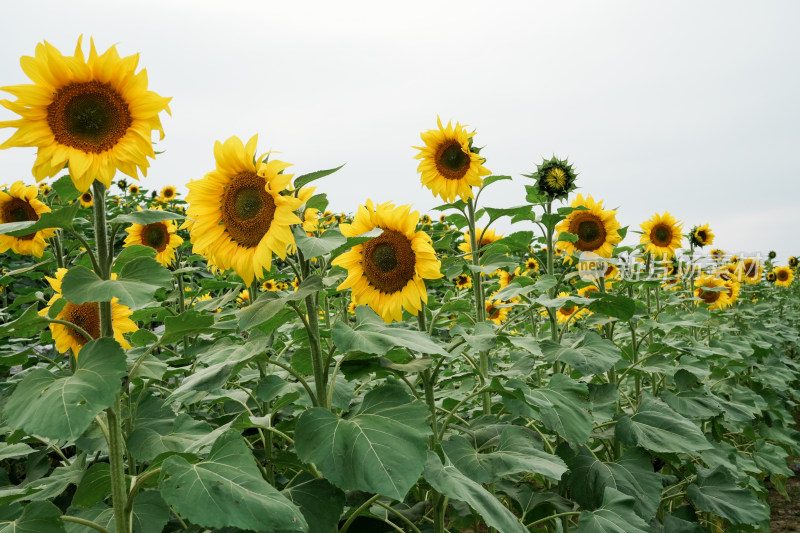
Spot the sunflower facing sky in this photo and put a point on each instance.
(87, 317)
(387, 272)
(449, 167)
(661, 235)
(94, 115)
(21, 204)
(596, 228)
(240, 216)
(159, 236)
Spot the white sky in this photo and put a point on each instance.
(687, 106)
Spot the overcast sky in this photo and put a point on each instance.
(690, 107)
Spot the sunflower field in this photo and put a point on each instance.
(245, 358)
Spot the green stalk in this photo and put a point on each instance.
(480, 306)
(316, 352)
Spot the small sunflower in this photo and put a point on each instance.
(783, 276)
(507, 277)
(387, 272)
(749, 270)
(244, 298)
(463, 281)
(497, 311)
(568, 313)
(443, 219)
(662, 235)
(596, 228)
(310, 220)
(734, 259)
(269, 285)
(449, 167)
(793, 262)
(168, 193)
(160, 236)
(87, 200)
(87, 317)
(713, 299)
(425, 220)
(95, 115)
(531, 265)
(240, 216)
(555, 178)
(21, 204)
(351, 308)
(701, 236)
(44, 189)
(486, 237)
(134, 189)
(717, 254)
(283, 286)
(772, 277)
(295, 284)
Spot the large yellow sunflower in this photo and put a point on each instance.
(159, 236)
(87, 317)
(387, 272)
(94, 115)
(783, 276)
(240, 218)
(662, 235)
(21, 204)
(716, 299)
(448, 167)
(749, 270)
(595, 227)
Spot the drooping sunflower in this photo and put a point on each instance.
(449, 166)
(555, 178)
(160, 236)
(387, 272)
(701, 236)
(87, 317)
(661, 235)
(486, 237)
(713, 299)
(86, 200)
(463, 281)
(793, 262)
(749, 270)
(95, 115)
(168, 193)
(21, 204)
(596, 228)
(783, 276)
(240, 216)
(133, 189)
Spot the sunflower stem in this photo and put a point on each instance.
(316, 352)
(480, 305)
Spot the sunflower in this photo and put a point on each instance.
(507, 277)
(568, 313)
(44, 189)
(497, 311)
(749, 270)
(463, 281)
(95, 115)
(295, 284)
(310, 220)
(351, 308)
(717, 254)
(701, 236)
(487, 237)
(716, 299)
(168, 193)
(87, 317)
(387, 272)
(244, 298)
(531, 265)
(21, 204)
(662, 235)
(269, 285)
(159, 236)
(449, 167)
(793, 262)
(425, 220)
(443, 219)
(783, 276)
(595, 227)
(283, 286)
(240, 216)
(86, 200)
(133, 189)
(772, 277)
(555, 178)
(588, 290)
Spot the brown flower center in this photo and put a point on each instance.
(86, 316)
(90, 116)
(782, 275)
(589, 229)
(18, 210)
(247, 209)
(661, 235)
(701, 236)
(156, 236)
(451, 161)
(388, 261)
(708, 297)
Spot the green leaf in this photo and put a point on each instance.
(320, 502)
(305, 179)
(448, 480)
(658, 428)
(566, 237)
(270, 304)
(716, 492)
(317, 246)
(190, 322)
(63, 407)
(148, 216)
(94, 487)
(227, 490)
(66, 189)
(516, 450)
(150, 514)
(37, 517)
(138, 280)
(198, 385)
(60, 218)
(379, 449)
(27, 325)
(130, 253)
(615, 516)
(613, 305)
(488, 180)
(372, 335)
(694, 404)
(153, 437)
(589, 355)
(9, 451)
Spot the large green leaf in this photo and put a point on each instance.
(656, 427)
(138, 280)
(60, 218)
(37, 517)
(270, 304)
(149, 515)
(319, 501)
(613, 305)
(153, 437)
(372, 335)
(631, 474)
(317, 246)
(515, 451)
(148, 216)
(717, 492)
(94, 487)
(62, 407)
(589, 354)
(27, 325)
(190, 322)
(448, 480)
(380, 448)
(615, 516)
(227, 490)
